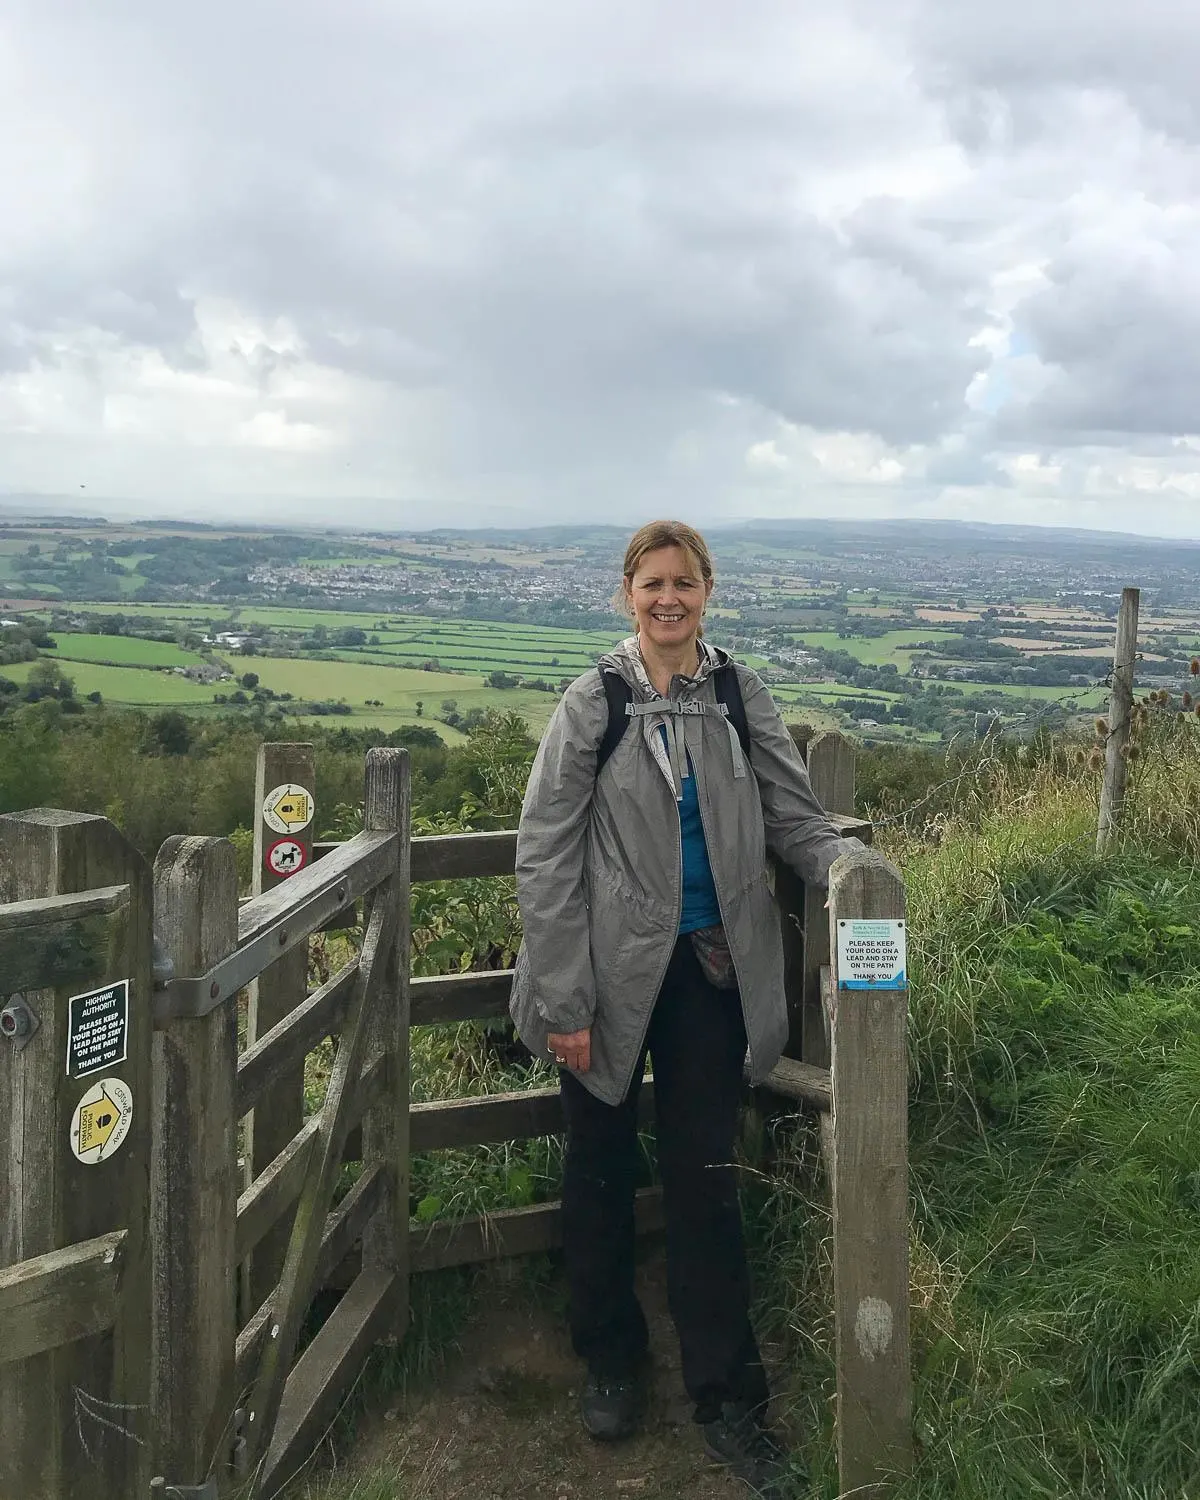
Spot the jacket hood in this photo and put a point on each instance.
(622, 659)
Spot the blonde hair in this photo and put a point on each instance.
(650, 538)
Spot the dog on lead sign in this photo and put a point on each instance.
(286, 857)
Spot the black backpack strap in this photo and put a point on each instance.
(729, 693)
(620, 696)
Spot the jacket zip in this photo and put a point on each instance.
(662, 973)
(721, 908)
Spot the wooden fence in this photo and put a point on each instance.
(138, 1304)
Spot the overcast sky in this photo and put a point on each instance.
(421, 262)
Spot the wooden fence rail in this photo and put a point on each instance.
(246, 1405)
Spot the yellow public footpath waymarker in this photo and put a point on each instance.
(101, 1121)
(288, 808)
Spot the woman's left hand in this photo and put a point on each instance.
(572, 1049)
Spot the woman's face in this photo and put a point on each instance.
(667, 596)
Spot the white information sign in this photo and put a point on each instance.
(872, 955)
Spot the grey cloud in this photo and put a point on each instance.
(554, 240)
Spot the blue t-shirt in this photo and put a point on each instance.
(700, 906)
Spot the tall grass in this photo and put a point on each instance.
(1055, 1148)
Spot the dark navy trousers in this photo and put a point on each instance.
(697, 1044)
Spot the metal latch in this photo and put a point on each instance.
(161, 1490)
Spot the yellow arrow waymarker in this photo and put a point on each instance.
(97, 1122)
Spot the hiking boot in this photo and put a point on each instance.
(740, 1439)
(610, 1406)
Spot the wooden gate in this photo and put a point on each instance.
(75, 1130)
(205, 1229)
(153, 1341)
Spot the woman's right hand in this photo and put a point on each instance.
(572, 1049)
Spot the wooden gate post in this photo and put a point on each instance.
(274, 995)
(386, 1124)
(831, 772)
(194, 1186)
(1116, 764)
(870, 1195)
(73, 1420)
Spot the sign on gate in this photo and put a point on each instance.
(871, 954)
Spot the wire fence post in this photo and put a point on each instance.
(1116, 753)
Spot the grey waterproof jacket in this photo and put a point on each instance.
(599, 864)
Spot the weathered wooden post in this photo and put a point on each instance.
(193, 1186)
(831, 772)
(829, 757)
(74, 1160)
(870, 1170)
(1120, 713)
(386, 1124)
(285, 799)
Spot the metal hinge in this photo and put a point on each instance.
(193, 996)
(161, 1490)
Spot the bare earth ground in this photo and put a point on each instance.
(501, 1421)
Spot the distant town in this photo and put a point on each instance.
(893, 630)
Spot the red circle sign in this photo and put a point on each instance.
(286, 856)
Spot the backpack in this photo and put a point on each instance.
(620, 696)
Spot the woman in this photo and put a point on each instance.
(650, 927)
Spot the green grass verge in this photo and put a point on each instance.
(1055, 1159)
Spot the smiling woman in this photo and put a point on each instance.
(650, 930)
(665, 586)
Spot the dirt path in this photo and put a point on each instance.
(501, 1422)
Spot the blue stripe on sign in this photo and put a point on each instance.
(896, 982)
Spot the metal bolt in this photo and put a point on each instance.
(214, 990)
(282, 938)
(275, 1331)
(341, 893)
(17, 1022)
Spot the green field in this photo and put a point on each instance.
(228, 616)
(138, 688)
(396, 689)
(375, 718)
(123, 651)
(895, 647)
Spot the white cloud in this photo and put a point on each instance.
(441, 258)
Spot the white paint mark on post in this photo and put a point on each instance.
(873, 1327)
